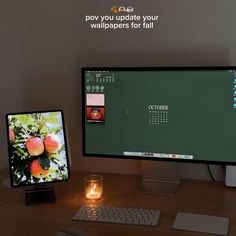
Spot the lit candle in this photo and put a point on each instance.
(93, 187)
(93, 193)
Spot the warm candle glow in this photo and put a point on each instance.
(94, 192)
(93, 188)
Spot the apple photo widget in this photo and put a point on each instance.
(37, 147)
(95, 110)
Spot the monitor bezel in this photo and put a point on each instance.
(66, 148)
(122, 157)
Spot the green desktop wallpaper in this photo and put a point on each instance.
(180, 112)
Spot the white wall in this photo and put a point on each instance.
(44, 43)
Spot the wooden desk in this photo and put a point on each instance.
(193, 196)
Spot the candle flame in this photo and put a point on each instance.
(92, 191)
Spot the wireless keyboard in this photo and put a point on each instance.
(133, 216)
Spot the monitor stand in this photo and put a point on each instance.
(159, 178)
(39, 195)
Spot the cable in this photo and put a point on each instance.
(210, 173)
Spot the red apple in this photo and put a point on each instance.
(11, 135)
(36, 169)
(34, 146)
(52, 143)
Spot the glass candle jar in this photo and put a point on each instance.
(93, 187)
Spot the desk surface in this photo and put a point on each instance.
(120, 190)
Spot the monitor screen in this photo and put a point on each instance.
(180, 114)
(37, 148)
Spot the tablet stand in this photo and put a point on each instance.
(39, 195)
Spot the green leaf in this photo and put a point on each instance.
(26, 119)
(55, 130)
(52, 171)
(52, 119)
(44, 162)
(43, 130)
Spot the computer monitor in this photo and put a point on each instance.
(162, 114)
(38, 152)
(167, 114)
